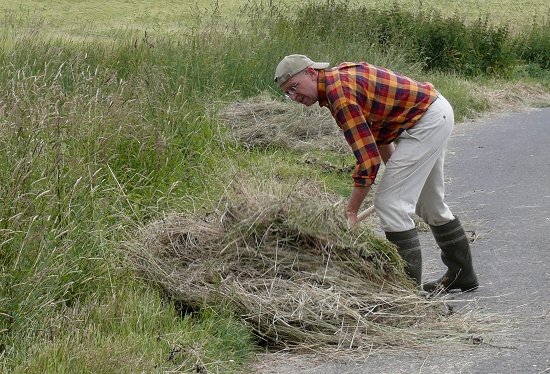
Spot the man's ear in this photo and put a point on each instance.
(311, 72)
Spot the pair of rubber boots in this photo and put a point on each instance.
(455, 253)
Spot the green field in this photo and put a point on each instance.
(109, 118)
(99, 18)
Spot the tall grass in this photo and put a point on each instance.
(95, 139)
(99, 137)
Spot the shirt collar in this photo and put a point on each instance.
(322, 89)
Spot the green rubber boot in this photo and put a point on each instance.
(408, 247)
(455, 253)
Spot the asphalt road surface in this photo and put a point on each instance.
(498, 174)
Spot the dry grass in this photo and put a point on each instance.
(515, 96)
(285, 261)
(262, 122)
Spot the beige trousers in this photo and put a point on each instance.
(413, 178)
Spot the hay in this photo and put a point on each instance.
(287, 264)
(515, 96)
(262, 122)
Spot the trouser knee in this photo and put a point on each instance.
(394, 217)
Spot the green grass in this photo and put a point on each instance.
(136, 331)
(96, 141)
(104, 128)
(100, 19)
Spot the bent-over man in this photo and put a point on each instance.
(388, 117)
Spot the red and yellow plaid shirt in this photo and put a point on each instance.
(372, 106)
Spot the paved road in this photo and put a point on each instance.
(498, 174)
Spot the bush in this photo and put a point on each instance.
(534, 45)
(445, 44)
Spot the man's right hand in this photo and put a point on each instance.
(358, 194)
(352, 219)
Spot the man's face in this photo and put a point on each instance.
(302, 87)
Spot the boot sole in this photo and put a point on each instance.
(453, 288)
(462, 289)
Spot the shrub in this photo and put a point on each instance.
(534, 45)
(444, 44)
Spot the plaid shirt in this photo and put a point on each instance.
(372, 106)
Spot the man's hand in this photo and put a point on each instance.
(352, 219)
(358, 194)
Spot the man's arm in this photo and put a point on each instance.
(369, 156)
(355, 127)
(358, 194)
(386, 151)
(356, 199)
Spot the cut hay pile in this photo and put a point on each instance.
(287, 264)
(261, 122)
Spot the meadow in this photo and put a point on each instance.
(89, 19)
(109, 119)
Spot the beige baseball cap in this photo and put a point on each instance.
(292, 65)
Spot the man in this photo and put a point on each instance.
(390, 118)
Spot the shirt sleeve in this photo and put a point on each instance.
(358, 134)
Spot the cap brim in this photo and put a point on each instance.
(320, 65)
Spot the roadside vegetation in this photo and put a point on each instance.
(100, 135)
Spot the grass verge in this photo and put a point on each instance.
(98, 137)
